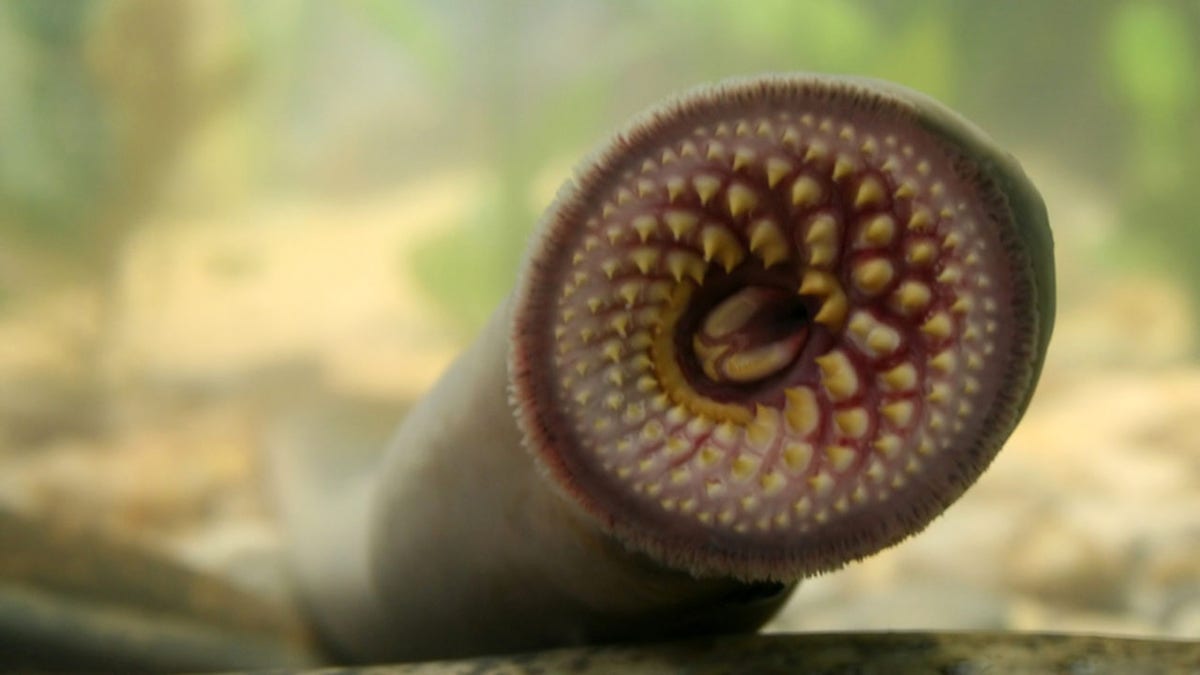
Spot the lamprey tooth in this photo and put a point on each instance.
(706, 186)
(806, 192)
(777, 168)
(741, 199)
(768, 241)
(777, 325)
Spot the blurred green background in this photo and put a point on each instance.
(228, 223)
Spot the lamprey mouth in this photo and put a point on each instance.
(781, 324)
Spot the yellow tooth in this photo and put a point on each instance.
(765, 129)
(839, 457)
(974, 362)
(763, 430)
(821, 484)
(653, 431)
(842, 167)
(951, 275)
(952, 241)
(869, 146)
(688, 149)
(634, 413)
(872, 276)
(889, 445)
(681, 475)
(624, 195)
(970, 385)
(861, 323)
(921, 253)
(684, 264)
(620, 323)
(899, 413)
(901, 378)
(791, 137)
(614, 401)
(878, 232)
(719, 243)
(647, 384)
(742, 157)
(817, 283)
(645, 258)
(820, 255)
(833, 311)
(675, 187)
(610, 267)
(644, 225)
(716, 150)
(939, 393)
(668, 156)
(744, 466)
(796, 455)
(883, 340)
(802, 506)
(649, 166)
(944, 362)
(768, 240)
(594, 304)
(577, 258)
(772, 482)
(906, 190)
(645, 187)
(846, 133)
(921, 219)
(852, 423)
(680, 222)
(706, 186)
(777, 168)
(817, 150)
(742, 128)
(938, 326)
(629, 292)
(962, 305)
(870, 193)
(722, 129)
(708, 456)
(801, 410)
(805, 192)
(912, 296)
(876, 472)
(741, 199)
(822, 230)
(838, 375)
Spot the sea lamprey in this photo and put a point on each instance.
(772, 326)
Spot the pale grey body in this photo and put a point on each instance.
(458, 545)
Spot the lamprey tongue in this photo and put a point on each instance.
(782, 323)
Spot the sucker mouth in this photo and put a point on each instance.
(775, 331)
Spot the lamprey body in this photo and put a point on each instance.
(771, 327)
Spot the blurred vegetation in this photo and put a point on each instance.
(105, 106)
